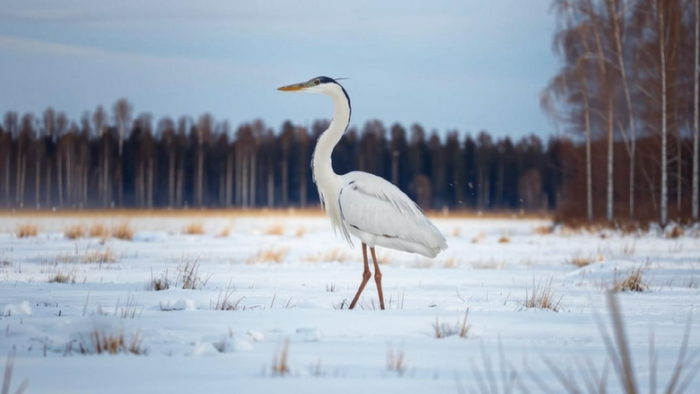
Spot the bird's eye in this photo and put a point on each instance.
(316, 82)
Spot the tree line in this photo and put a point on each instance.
(627, 94)
(118, 159)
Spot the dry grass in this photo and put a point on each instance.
(58, 275)
(395, 361)
(98, 230)
(633, 281)
(123, 231)
(270, 255)
(330, 287)
(188, 275)
(7, 377)
(676, 232)
(275, 229)
(479, 238)
(301, 231)
(194, 228)
(450, 262)
(619, 356)
(444, 330)
(581, 261)
(100, 256)
(75, 231)
(225, 232)
(488, 265)
(158, 284)
(330, 255)
(541, 296)
(223, 302)
(504, 239)
(543, 230)
(26, 230)
(107, 343)
(456, 232)
(280, 367)
(129, 310)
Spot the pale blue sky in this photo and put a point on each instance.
(469, 65)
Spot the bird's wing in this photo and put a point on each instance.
(374, 205)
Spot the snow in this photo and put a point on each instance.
(190, 346)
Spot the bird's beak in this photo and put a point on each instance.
(292, 88)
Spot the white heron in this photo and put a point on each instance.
(361, 204)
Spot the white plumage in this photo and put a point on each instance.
(364, 205)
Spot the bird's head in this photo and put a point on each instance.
(313, 85)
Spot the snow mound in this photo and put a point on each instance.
(20, 309)
(179, 305)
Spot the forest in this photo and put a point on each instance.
(623, 105)
(116, 159)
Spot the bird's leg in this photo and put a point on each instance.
(365, 276)
(378, 278)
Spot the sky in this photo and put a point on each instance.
(468, 65)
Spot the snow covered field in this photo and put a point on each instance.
(283, 329)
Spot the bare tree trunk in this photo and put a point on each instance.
(105, 178)
(229, 179)
(664, 175)
(679, 174)
(395, 168)
(253, 177)
(270, 185)
(59, 177)
(180, 183)
(695, 114)
(200, 176)
(607, 92)
(589, 177)
(244, 181)
(611, 153)
(239, 174)
(285, 182)
(171, 179)
(149, 185)
(628, 100)
(49, 176)
(7, 178)
(37, 185)
(69, 172)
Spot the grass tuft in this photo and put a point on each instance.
(444, 330)
(270, 255)
(158, 284)
(223, 302)
(301, 231)
(188, 275)
(543, 230)
(504, 239)
(676, 232)
(26, 230)
(275, 229)
(194, 228)
(75, 231)
(100, 256)
(634, 281)
(98, 230)
(60, 276)
(395, 361)
(108, 343)
(279, 360)
(541, 296)
(123, 231)
(330, 255)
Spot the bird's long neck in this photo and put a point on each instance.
(322, 165)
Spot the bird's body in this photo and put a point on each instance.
(363, 205)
